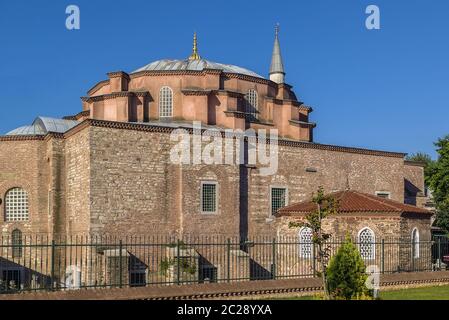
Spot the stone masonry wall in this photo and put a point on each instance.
(134, 189)
(137, 190)
(118, 181)
(78, 167)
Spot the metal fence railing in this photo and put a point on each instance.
(41, 263)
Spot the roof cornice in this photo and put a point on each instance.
(249, 78)
(195, 92)
(229, 93)
(298, 104)
(302, 123)
(235, 114)
(22, 138)
(161, 129)
(118, 74)
(415, 163)
(282, 142)
(97, 87)
(77, 116)
(122, 94)
(372, 214)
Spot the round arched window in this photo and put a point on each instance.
(306, 243)
(16, 240)
(367, 244)
(415, 243)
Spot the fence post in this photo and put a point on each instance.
(314, 258)
(274, 259)
(178, 262)
(120, 264)
(439, 252)
(383, 257)
(413, 255)
(52, 270)
(228, 275)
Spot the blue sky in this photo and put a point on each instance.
(384, 89)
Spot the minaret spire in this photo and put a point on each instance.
(195, 55)
(277, 73)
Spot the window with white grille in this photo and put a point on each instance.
(252, 104)
(166, 103)
(415, 243)
(278, 199)
(306, 243)
(209, 197)
(16, 205)
(367, 244)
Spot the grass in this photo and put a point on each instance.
(426, 293)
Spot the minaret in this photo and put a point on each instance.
(277, 73)
(195, 55)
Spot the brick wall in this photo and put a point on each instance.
(24, 164)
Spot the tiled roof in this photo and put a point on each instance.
(355, 202)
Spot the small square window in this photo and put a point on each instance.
(384, 195)
(209, 197)
(278, 199)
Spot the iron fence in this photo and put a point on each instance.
(40, 263)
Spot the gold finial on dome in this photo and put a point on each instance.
(195, 55)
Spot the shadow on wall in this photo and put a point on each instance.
(258, 272)
(15, 277)
(411, 192)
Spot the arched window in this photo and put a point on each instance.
(16, 241)
(166, 102)
(305, 243)
(252, 105)
(16, 205)
(367, 244)
(415, 243)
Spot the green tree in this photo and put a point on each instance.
(426, 160)
(420, 157)
(437, 178)
(325, 206)
(346, 273)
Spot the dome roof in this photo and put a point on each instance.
(195, 65)
(27, 131)
(42, 125)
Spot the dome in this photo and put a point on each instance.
(42, 125)
(27, 131)
(195, 65)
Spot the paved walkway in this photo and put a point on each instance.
(223, 290)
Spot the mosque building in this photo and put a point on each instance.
(107, 169)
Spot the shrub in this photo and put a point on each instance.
(346, 274)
